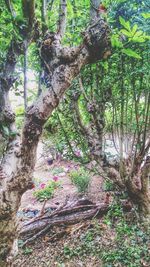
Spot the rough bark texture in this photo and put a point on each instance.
(61, 65)
(70, 215)
(135, 183)
(9, 194)
(94, 11)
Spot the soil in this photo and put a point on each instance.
(44, 253)
(45, 173)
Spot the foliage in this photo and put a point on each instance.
(125, 111)
(108, 185)
(118, 243)
(131, 241)
(81, 179)
(27, 251)
(46, 191)
(114, 98)
(19, 116)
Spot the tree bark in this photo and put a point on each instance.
(9, 196)
(137, 185)
(25, 77)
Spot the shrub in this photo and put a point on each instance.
(81, 179)
(46, 191)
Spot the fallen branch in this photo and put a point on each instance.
(42, 232)
(65, 216)
(70, 213)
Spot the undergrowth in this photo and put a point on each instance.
(81, 179)
(115, 241)
(47, 191)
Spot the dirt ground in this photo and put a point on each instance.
(45, 173)
(44, 253)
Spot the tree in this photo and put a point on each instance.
(61, 65)
(121, 95)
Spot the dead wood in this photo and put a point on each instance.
(72, 212)
(64, 216)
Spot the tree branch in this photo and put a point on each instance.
(61, 72)
(10, 8)
(28, 8)
(62, 18)
(94, 9)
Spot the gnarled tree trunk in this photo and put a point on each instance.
(135, 180)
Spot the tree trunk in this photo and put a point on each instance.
(144, 207)
(142, 200)
(12, 171)
(137, 185)
(8, 238)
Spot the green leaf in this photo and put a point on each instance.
(129, 52)
(13, 134)
(134, 29)
(147, 37)
(124, 23)
(139, 33)
(116, 42)
(146, 15)
(138, 39)
(105, 65)
(125, 32)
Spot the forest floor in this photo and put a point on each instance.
(109, 241)
(43, 252)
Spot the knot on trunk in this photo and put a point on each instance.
(9, 115)
(97, 40)
(49, 45)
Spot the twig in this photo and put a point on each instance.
(43, 231)
(43, 207)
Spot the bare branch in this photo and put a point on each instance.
(28, 8)
(10, 8)
(62, 18)
(46, 4)
(25, 75)
(94, 9)
(44, 7)
(82, 89)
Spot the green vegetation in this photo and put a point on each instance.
(115, 240)
(81, 179)
(46, 191)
